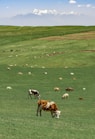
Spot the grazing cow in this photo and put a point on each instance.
(69, 89)
(66, 95)
(33, 92)
(48, 106)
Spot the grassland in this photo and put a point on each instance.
(57, 51)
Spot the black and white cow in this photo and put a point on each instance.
(35, 93)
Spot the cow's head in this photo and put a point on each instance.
(57, 113)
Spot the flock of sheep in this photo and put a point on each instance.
(36, 94)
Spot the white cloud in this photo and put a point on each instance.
(72, 1)
(85, 6)
(62, 18)
(70, 13)
(88, 5)
(53, 12)
(45, 11)
(73, 13)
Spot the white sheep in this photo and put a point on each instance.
(84, 88)
(72, 73)
(8, 87)
(56, 89)
(66, 95)
(20, 73)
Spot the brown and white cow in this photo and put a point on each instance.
(48, 106)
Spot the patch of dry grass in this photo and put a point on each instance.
(77, 36)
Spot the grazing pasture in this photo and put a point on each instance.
(38, 61)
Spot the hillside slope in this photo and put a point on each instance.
(63, 46)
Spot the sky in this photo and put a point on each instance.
(47, 12)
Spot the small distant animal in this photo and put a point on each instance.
(8, 87)
(69, 89)
(56, 89)
(35, 93)
(46, 105)
(66, 95)
(80, 98)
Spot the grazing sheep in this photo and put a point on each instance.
(45, 73)
(69, 89)
(60, 78)
(20, 73)
(84, 89)
(80, 98)
(56, 89)
(29, 73)
(33, 92)
(8, 87)
(66, 95)
(9, 68)
(72, 73)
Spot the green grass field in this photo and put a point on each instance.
(58, 51)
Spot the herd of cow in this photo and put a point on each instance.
(46, 105)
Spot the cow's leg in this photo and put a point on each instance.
(40, 112)
(52, 114)
(35, 96)
(39, 109)
(30, 96)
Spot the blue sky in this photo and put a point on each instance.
(61, 9)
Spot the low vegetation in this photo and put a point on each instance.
(43, 58)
